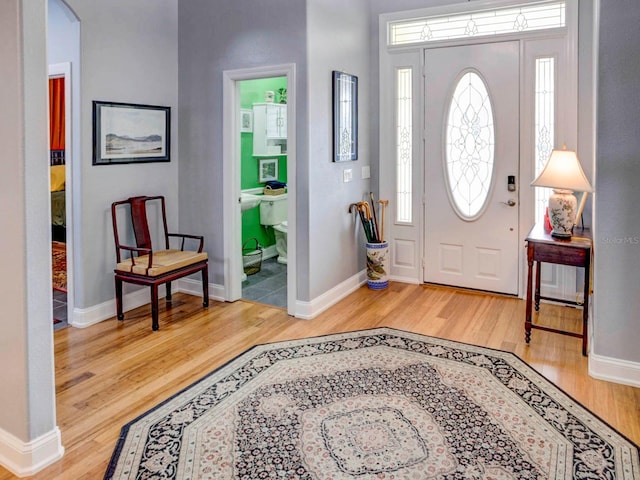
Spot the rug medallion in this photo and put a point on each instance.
(376, 404)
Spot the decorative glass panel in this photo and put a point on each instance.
(544, 126)
(404, 143)
(537, 16)
(469, 146)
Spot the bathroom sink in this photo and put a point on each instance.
(249, 200)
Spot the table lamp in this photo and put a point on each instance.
(564, 175)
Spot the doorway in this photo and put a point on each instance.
(60, 189)
(275, 164)
(472, 124)
(263, 179)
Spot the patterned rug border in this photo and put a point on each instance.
(516, 362)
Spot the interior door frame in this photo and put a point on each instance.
(232, 216)
(63, 70)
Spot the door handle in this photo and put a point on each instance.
(511, 202)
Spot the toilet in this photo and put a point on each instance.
(281, 241)
(273, 213)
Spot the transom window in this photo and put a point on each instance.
(514, 19)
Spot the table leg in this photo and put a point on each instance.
(585, 306)
(537, 296)
(527, 321)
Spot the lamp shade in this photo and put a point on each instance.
(563, 171)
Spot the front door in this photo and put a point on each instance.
(471, 164)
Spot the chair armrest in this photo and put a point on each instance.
(140, 251)
(185, 236)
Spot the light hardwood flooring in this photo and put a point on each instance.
(108, 374)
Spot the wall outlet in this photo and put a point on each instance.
(347, 175)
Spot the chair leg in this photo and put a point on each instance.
(119, 313)
(205, 286)
(154, 308)
(168, 296)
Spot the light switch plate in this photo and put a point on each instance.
(347, 175)
(366, 171)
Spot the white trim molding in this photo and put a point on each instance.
(85, 317)
(309, 310)
(614, 370)
(27, 458)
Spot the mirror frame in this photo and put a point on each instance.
(345, 116)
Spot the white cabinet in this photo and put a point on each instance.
(269, 129)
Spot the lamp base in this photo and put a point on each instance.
(562, 212)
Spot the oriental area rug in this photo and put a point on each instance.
(59, 266)
(375, 404)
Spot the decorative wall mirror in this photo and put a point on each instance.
(345, 117)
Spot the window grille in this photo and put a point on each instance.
(531, 17)
(544, 126)
(404, 144)
(470, 146)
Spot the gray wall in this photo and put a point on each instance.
(219, 36)
(26, 338)
(338, 39)
(130, 58)
(617, 247)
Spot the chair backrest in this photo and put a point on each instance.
(139, 222)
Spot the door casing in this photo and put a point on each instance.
(231, 174)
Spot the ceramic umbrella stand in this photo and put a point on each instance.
(377, 265)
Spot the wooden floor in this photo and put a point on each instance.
(110, 373)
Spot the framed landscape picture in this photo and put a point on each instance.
(130, 133)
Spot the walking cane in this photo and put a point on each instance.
(383, 204)
(375, 218)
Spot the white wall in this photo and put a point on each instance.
(337, 39)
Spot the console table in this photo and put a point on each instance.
(575, 251)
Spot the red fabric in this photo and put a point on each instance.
(56, 113)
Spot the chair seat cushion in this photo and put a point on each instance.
(164, 261)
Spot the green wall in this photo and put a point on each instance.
(253, 91)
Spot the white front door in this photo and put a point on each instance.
(471, 159)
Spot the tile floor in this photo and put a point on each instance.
(269, 285)
(59, 309)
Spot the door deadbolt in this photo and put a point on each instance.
(511, 183)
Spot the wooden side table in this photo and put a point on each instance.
(575, 251)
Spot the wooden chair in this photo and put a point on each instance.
(148, 266)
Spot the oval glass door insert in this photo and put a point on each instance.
(469, 146)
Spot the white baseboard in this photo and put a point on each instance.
(614, 370)
(85, 317)
(25, 459)
(309, 310)
(194, 287)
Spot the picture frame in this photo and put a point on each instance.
(246, 120)
(267, 169)
(345, 116)
(130, 133)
